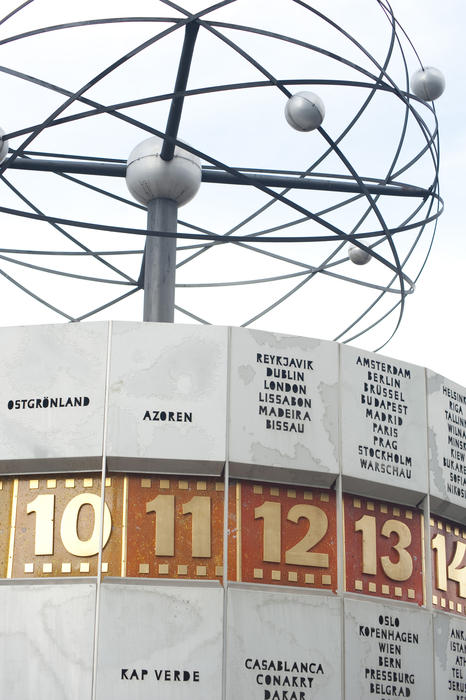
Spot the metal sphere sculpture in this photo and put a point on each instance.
(305, 111)
(149, 177)
(305, 193)
(428, 83)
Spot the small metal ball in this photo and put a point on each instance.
(304, 111)
(3, 147)
(150, 177)
(358, 256)
(428, 83)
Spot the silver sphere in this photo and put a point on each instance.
(428, 83)
(3, 147)
(358, 256)
(149, 177)
(304, 111)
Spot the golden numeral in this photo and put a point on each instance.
(367, 525)
(403, 568)
(396, 571)
(270, 512)
(44, 508)
(318, 526)
(454, 571)
(69, 526)
(164, 509)
(438, 545)
(199, 507)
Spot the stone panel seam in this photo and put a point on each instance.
(102, 511)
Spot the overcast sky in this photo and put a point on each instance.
(433, 328)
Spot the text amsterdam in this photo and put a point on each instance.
(385, 409)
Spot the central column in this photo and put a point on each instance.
(163, 177)
(160, 261)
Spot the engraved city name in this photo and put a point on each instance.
(454, 447)
(457, 649)
(284, 680)
(387, 674)
(169, 416)
(385, 406)
(156, 674)
(49, 402)
(284, 398)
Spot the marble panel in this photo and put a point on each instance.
(283, 408)
(160, 640)
(450, 656)
(46, 640)
(52, 393)
(388, 652)
(167, 398)
(446, 411)
(282, 645)
(383, 427)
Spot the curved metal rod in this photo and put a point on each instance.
(17, 9)
(321, 269)
(385, 234)
(113, 109)
(215, 237)
(73, 253)
(218, 238)
(84, 23)
(328, 151)
(90, 84)
(233, 171)
(381, 295)
(392, 246)
(191, 315)
(176, 107)
(51, 271)
(60, 230)
(107, 305)
(35, 296)
(216, 176)
(422, 226)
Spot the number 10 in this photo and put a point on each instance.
(44, 508)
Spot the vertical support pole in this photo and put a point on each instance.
(160, 262)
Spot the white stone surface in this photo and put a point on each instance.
(283, 408)
(167, 397)
(162, 629)
(446, 411)
(450, 656)
(383, 426)
(267, 628)
(388, 651)
(52, 363)
(46, 640)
